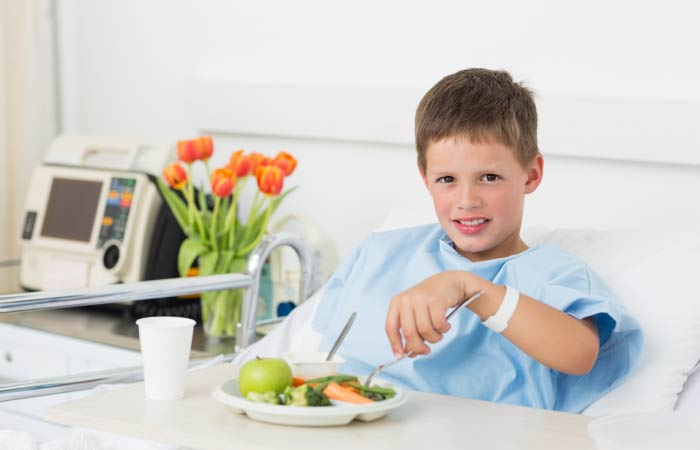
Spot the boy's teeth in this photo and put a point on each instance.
(472, 223)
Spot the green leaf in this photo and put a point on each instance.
(240, 232)
(238, 265)
(177, 205)
(273, 205)
(225, 261)
(190, 250)
(206, 218)
(208, 263)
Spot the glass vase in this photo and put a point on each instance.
(221, 310)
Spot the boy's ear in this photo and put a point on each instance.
(534, 174)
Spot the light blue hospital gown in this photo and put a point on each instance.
(471, 360)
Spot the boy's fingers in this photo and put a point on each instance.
(414, 342)
(425, 325)
(439, 319)
(392, 329)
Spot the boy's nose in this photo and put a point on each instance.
(470, 199)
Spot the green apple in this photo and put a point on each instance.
(264, 374)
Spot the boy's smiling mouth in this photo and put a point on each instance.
(471, 225)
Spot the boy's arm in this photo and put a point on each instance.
(555, 339)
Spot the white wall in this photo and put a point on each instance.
(127, 64)
(130, 58)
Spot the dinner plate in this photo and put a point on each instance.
(339, 413)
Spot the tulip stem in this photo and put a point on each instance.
(251, 218)
(232, 215)
(261, 233)
(214, 240)
(206, 167)
(194, 213)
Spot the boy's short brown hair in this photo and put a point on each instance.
(481, 104)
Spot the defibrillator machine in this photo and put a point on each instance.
(90, 214)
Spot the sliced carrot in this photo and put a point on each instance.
(297, 381)
(335, 391)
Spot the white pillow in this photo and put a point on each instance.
(653, 275)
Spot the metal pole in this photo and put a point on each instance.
(142, 290)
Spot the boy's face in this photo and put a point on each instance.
(478, 190)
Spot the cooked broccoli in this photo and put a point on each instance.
(270, 397)
(305, 395)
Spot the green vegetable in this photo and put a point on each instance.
(270, 397)
(376, 393)
(333, 378)
(375, 396)
(321, 386)
(305, 395)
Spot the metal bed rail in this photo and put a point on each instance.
(148, 290)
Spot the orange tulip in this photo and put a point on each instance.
(187, 151)
(222, 182)
(197, 149)
(240, 164)
(270, 180)
(286, 162)
(258, 160)
(205, 147)
(175, 175)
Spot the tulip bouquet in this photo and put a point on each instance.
(217, 240)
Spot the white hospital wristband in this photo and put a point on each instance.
(499, 321)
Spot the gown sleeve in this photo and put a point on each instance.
(578, 291)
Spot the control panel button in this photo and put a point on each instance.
(111, 256)
(116, 213)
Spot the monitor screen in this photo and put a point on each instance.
(71, 209)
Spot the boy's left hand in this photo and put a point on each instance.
(419, 312)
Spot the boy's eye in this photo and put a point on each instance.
(445, 179)
(490, 177)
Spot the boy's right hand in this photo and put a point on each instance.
(418, 314)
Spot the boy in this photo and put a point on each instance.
(545, 333)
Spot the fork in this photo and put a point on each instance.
(381, 367)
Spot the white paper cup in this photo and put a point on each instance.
(165, 346)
